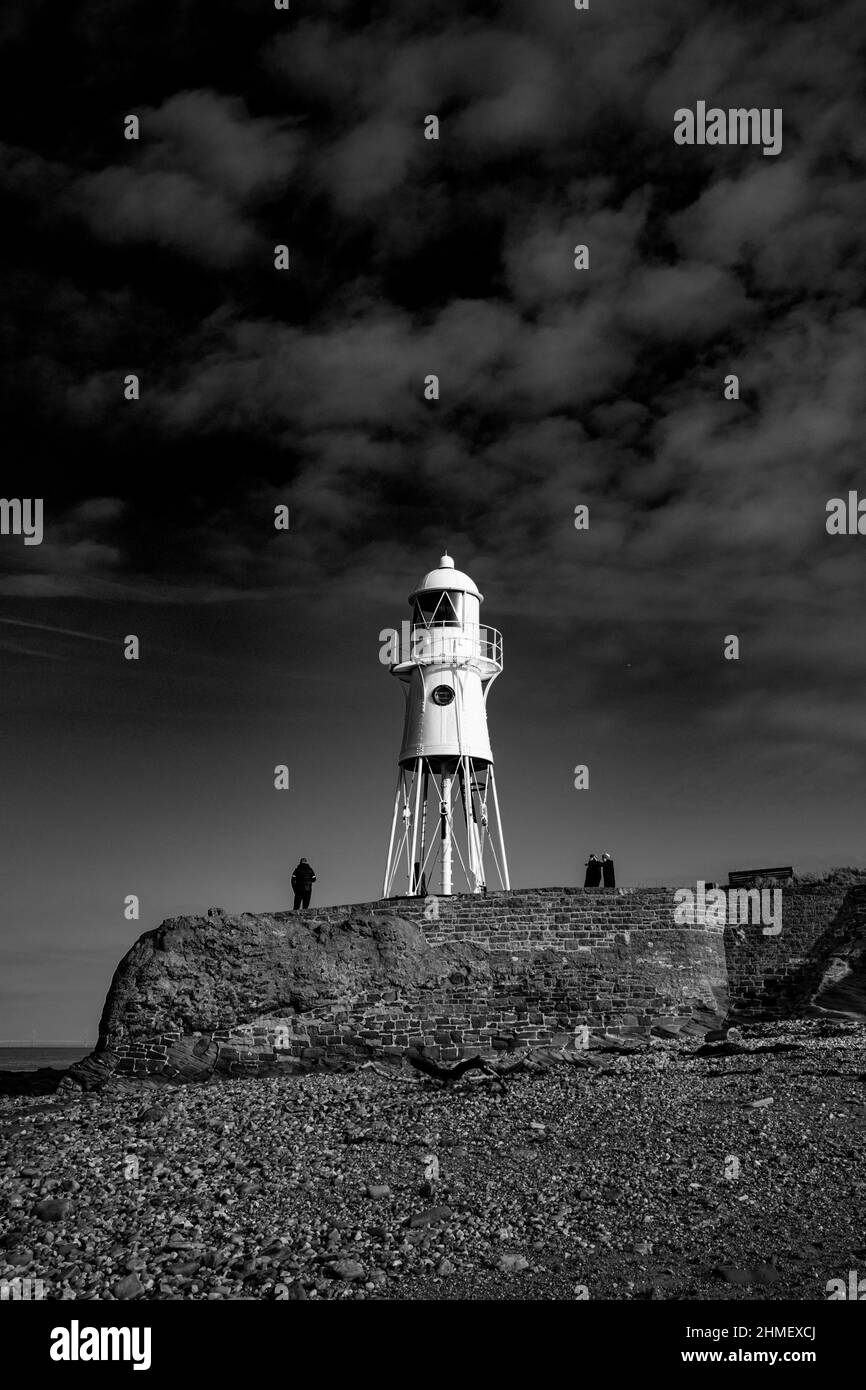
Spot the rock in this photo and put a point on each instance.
(346, 1269)
(176, 1241)
(16, 1235)
(52, 1208)
(748, 1274)
(130, 1286)
(430, 1217)
(153, 1112)
(721, 1049)
(759, 1104)
(445, 1267)
(289, 1292)
(512, 1264)
(209, 971)
(378, 1191)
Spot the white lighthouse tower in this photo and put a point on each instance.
(446, 666)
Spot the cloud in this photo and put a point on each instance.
(788, 226)
(689, 300)
(165, 207)
(369, 162)
(203, 163)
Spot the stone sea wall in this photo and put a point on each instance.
(453, 976)
(823, 932)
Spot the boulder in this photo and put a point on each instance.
(197, 974)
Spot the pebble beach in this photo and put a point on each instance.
(664, 1169)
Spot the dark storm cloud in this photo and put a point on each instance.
(557, 386)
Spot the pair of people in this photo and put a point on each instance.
(598, 870)
(303, 879)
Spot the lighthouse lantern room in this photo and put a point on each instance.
(445, 806)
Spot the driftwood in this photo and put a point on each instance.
(499, 1069)
(448, 1072)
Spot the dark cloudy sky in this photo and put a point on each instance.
(411, 257)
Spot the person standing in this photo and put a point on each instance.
(303, 879)
(593, 873)
(607, 870)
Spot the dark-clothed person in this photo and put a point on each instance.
(608, 871)
(302, 883)
(593, 873)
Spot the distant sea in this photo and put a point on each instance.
(32, 1058)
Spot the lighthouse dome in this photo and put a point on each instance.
(445, 576)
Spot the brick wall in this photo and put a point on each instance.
(775, 976)
(565, 957)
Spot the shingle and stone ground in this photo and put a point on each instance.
(670, 1169)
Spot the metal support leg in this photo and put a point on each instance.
(387, 883)
(413, 886)
(492, 777)
(423, 824)
(445, 814)
(472, 832)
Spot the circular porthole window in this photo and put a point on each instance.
(443, 695)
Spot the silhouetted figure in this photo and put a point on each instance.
(302, 882)
(608, 871)
(593, 873)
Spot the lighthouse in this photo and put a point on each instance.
(446, 811)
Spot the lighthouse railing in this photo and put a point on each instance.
(451, 642)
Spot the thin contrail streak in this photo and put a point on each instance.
(65, 631)
(28, 651)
